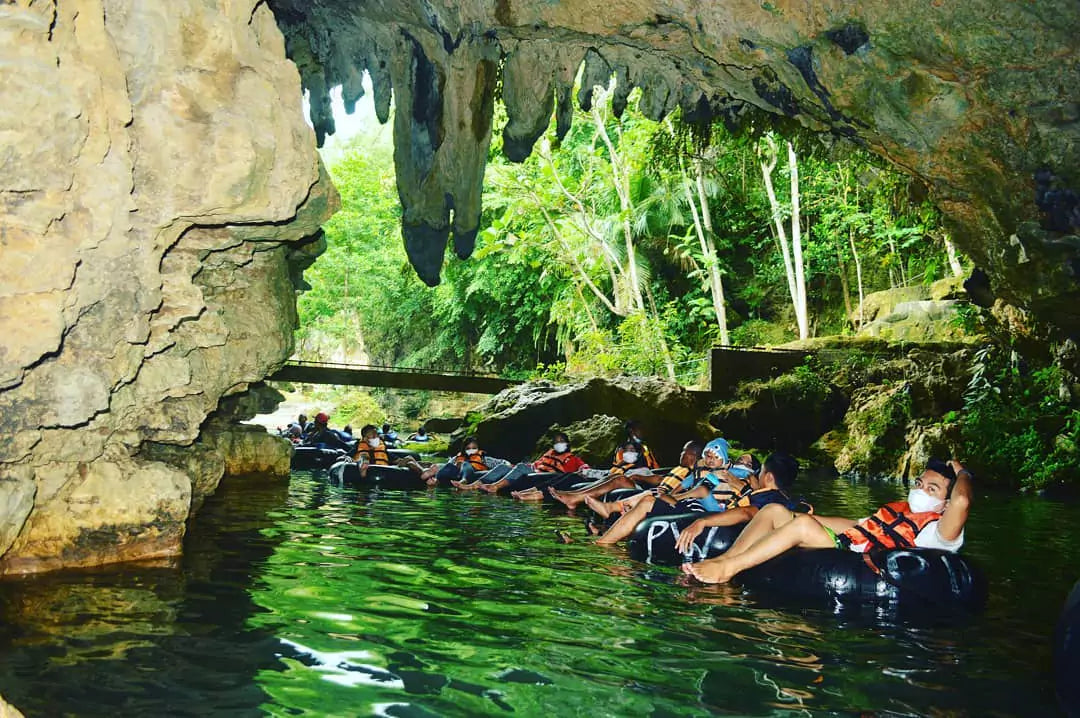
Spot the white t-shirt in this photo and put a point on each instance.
(929, 537)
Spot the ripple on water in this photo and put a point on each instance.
(316, 600)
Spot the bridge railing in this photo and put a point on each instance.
(726, 367)
(395, 369)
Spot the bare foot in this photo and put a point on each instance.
(528, 495)
(570, 501)
(489, 488)
(600, 507)
(715, 570)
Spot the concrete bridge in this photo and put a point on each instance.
(730, 365)
(312, 372)
(727, 367)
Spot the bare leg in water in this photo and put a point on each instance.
(573, 498)
(628, 521)
(607, 508)
(772, 531)
(530, 494)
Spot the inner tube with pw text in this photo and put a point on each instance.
(653, 541)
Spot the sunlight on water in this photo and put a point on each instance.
(316, 600)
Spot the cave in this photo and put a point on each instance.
(162, 193)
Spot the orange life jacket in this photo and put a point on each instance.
(378, 456)
(644, 454)
(674, 479)
(729, 497)
(620, 467)
(552, 463)
(477, 460)
(894, 525)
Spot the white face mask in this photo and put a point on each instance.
(920, 501)
(470, 452)
(629, 457)
(561, 447)
(374, 442)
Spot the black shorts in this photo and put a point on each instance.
(686, 506)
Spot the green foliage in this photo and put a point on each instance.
(549, 290)
(759, 333)
(1019, 428)
(968, 319)
(803, 386)
(807, 382)
(551, 372)
(357, 408)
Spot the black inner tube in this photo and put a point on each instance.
(1067, 655)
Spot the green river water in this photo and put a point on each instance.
(308, 599)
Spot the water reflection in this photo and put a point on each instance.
(322, 600)
(152, 638)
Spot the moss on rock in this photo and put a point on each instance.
(876, 430)
(789, 412)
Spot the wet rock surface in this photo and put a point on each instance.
(593, 439)
(870, 407)
(512, 423)
(895, 418)
(788, 413)
(151, 247)
(442, 424)
(978, 101)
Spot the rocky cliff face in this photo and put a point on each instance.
(978, 100)
(159, 192)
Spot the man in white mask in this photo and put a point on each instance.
(932, 517)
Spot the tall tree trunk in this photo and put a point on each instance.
(796, 245)
(620, 179)
(858, 275)
(954, 259)
(899, 265)
(703, 228)
(767, 168)
(845, 286)
(712, 256)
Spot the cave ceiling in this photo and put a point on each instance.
(980, 101)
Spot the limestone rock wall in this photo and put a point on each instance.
(159, 192)
(979, 100)
(9, 711)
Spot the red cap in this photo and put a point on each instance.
(322, 418)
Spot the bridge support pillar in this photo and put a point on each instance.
(730, 365)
